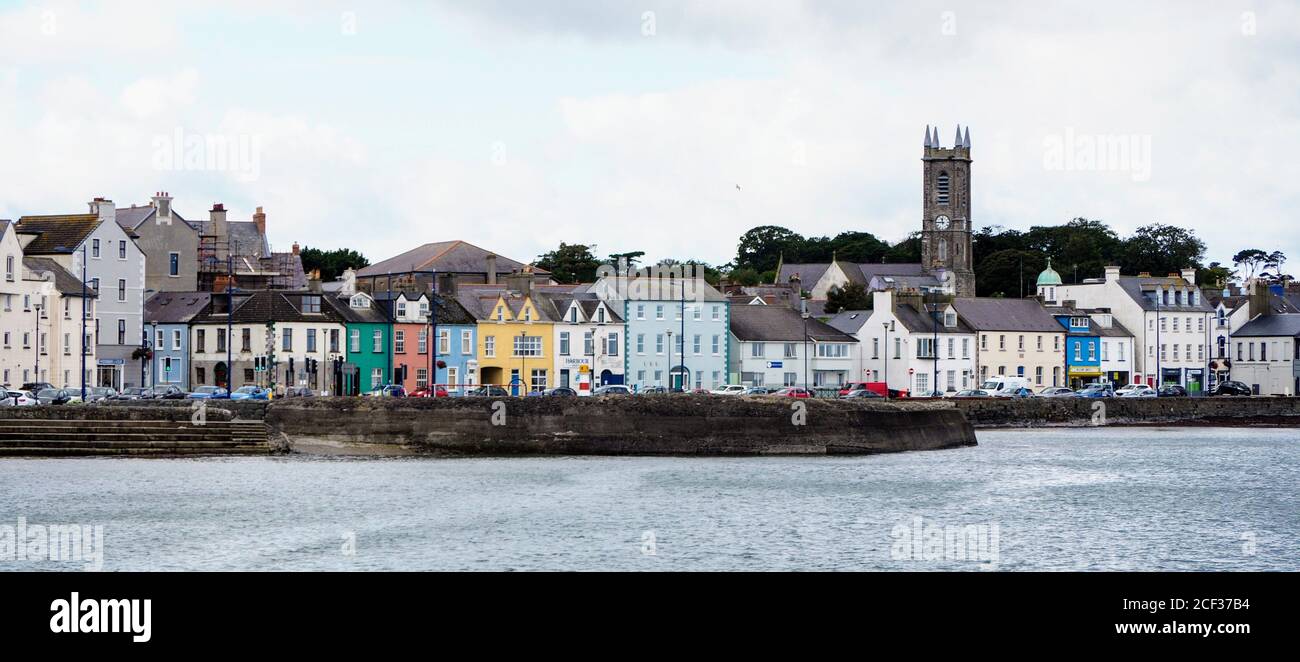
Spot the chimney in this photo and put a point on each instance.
(1112, 274)
(313, 281)
(1258, 301)
(104, 209)
(349, 281)
(219, 228)
(1189, 275)
(259, 218)
(491, 268)
(882, 300)
(162, 201)
(297, 250)
(521, 282)
(1144, 274)
(796, 282)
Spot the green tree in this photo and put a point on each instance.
(331, 263)
(1162, 249)
(761, 248)
(1009, 273)
(632, 259)
(907, 251)
(746, 276)
(1254, 262)
(570, 263)
(1216, 275)
(1079, 249)
(712, 274)
(853, 296)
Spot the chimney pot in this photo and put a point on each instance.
(296, 249)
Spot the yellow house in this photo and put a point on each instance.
(514, 339)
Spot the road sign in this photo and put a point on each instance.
(775, 364)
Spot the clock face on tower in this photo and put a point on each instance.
(942, 222)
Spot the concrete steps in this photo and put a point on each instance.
(69, 438)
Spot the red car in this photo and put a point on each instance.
(794, 392)
(425, 393)
(853, 386)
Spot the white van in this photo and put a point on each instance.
(1003, 386)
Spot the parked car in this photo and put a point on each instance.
(436, 391)
(389, 391)
(18, 399)
(654, 389)
(758, 390)
(1232, 388)
(1003, 386)
(208, 393)
(729, 389)
(98, 393)
(1097, 391)
(560, 392)
(929, 394)
(1057, 392)
(132, 393)
(794, 392)
(489, 392)
(972, 393)
(1136, 391)
(613, 389)
(250, 393)
(168, 392)
(850, 387)
(36, 387)
(1172, 391)
(862, 393)
(299, 392)
(58, 396)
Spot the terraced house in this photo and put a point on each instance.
(168, 315)
(515, 334)
(677, 331)
(912, 345)
(115, 268)
(1016, 337)
(588, 342)
(777, 346)
(300, 333)
(367, 351)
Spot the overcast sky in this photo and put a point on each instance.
(516, 125)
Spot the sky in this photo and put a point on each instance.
(663, 126)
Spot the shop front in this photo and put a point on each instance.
(1171, 376)
(1116, 378)
(1082, 375)
(1195, 383)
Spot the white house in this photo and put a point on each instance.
(1168, 316)
(1266, 354)
(777, 346)
(1233, 311)
(588, 342)
(915, 346)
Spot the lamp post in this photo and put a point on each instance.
(804, 315)
(83, 323)
(686, 374)
(157, 345)
(934, 348)
(889, 326)
(38, 307)
(523, 354)
(670, 360)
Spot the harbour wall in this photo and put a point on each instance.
(1037, 412)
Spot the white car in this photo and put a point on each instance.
(17, 399)
(729, 389)
(1136, 391)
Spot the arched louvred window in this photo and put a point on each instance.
(943, 185)
(943, 250)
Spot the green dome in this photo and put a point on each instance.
(1049, 275)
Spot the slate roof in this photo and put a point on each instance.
(270, 305)
(372, 314)
(848, 321)
(59, 234)
(289, 266)
(175, 307)
(1134, 286)
(780, 324)
(245, 239)
(918, 322)
(991, 314)
(811, 273)
(1271, 326)
(445, 257)
(4, 223)
(1115, 330)
(130, 218)
(66, 283)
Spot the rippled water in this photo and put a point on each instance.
(1110, 499)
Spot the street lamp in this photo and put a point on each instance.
(38, 307)
(670, 360)
(804, 315)
(523, 354)
(157, 345)
(889, 326)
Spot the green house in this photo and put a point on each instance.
(369, 334)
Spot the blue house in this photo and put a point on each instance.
(167, 315)
(457, 345)
(676, 332)
(1082, 346)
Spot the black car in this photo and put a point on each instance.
(1232, 388)
(132, 393)
(488, 392)
(1172, 391)
(36, 387)
(560, 392)
(862, 393)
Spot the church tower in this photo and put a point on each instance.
(946, 249)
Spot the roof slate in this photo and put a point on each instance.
(66, 283)
(991, 314)
(57, 234)
(1271, 326)
(780, 324)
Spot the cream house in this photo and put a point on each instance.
(1016, 337)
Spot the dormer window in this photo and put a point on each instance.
(401, 309)
(359, 302)
(600, 315)
(950, 320)
(528, 315)
(942, 187)
(311, 305)
(501, 315)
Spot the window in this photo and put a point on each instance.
(422, 341)
(399, 342)
(94, 248)
(200, 341)
(924, 348)
(717, 313)
(354, 341)
(377, 377)
(246, 340)
(286, 337)
(401, 310)
(528, 345)
(942, 185)
(176, 339)
(791, 350)
(695, 315)
(564, 343)
(659, 343)
(311, 341)
(466, 341)
(965, 348)
(9, 268)
(952, 348)
(334, 341)
(538, 378)
(922, 382)
(717, 345)
(311, 305)
(898, 348)
(159, 340)
(121, 289)
(173, 264)
(1078, 349)
(833, 350)
(453, 378)
(984, 342)
(790, 379)
(640, 343)
(756, 350)
(377, 342)
(640, 311)
(489, 346)
(659, 311)
(699, 345)
(121, 250)
(421, 377)
(611, 344)
(121, 332)
(1002, 343)
(221, 340)
(588, 344)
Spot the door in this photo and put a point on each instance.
(219, 373)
